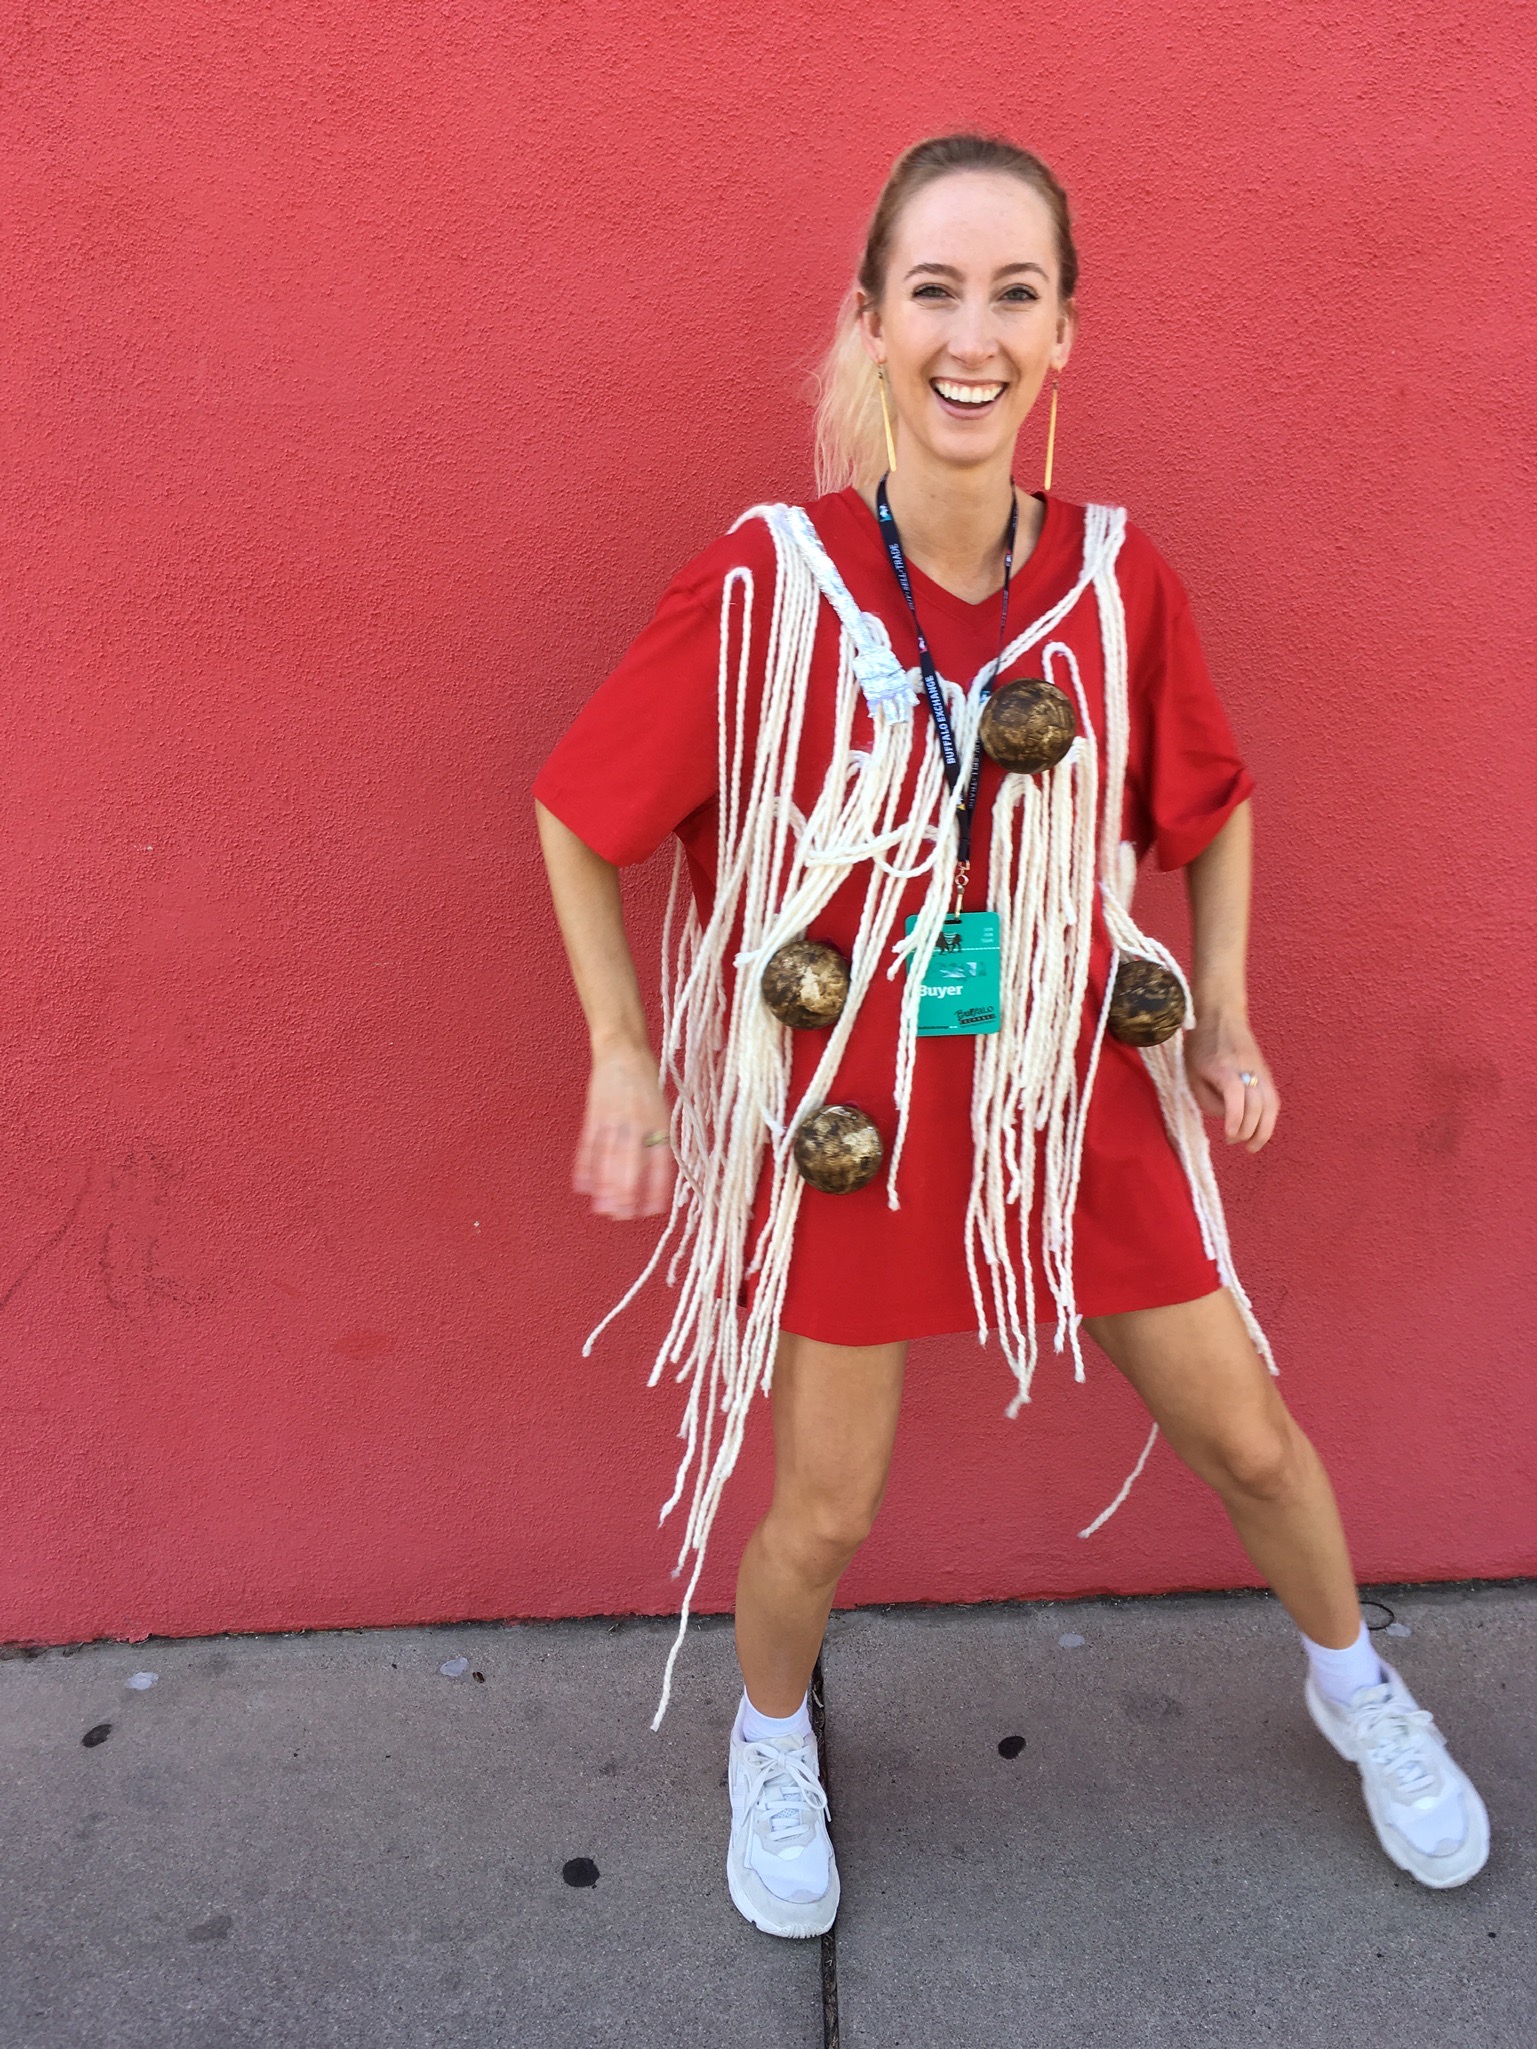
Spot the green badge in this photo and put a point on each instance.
(961, 988)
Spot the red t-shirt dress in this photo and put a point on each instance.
(639, 763)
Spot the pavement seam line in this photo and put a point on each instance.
(831, 2036)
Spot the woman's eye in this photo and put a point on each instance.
(1020, 295)
(923, 291)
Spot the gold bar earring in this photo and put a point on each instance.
(891, 439)
(1051, 434)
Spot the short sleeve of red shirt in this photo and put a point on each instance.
(642, 754)
(1185, 776)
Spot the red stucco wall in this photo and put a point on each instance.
(368, 370)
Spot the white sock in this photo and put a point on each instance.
(1339, 1674)
(751, 1727)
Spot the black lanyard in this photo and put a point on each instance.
(931, 684)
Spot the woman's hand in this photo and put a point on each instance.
(1222, 1050)
(1219, 1053)
(614, 1165)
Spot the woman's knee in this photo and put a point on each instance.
(1259, 1460)
(819, 1538)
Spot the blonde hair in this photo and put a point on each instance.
(850, 442)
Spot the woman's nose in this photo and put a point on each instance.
(972, 339)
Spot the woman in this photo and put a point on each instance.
(787, 713)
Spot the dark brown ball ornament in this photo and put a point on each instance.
(1147, 1006)
(806, 984)
(1027, 726)
(838, 1149)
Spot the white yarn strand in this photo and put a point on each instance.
(1166, 1063)
(1126, 1486)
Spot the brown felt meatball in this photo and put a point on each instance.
(838, 1149)
(1027, 726)
(1148, 1005)
(806, 984)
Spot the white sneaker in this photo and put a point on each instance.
(780, 1865)
(1423, 1805)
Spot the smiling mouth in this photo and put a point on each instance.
(966, 398)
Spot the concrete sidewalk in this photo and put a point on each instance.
(324, 1839)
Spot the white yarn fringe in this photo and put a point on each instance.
(1126, 1486)
(728, 1059)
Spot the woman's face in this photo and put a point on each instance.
(969, 324)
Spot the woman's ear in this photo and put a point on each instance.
(1067, 329)
(868, 316)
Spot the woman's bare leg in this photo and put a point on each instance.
(1210, 1394)
(835, 1418)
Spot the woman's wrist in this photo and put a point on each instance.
(1221, 1003)
(625, 1039)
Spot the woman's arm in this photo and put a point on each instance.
(624, 1176)
(1222, 1047)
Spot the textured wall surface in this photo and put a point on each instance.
(368, 369)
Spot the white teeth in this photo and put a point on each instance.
(967, 394)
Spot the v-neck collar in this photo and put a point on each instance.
(1052, 542)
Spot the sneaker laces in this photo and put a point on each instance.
(782, 1786)
(1395, 1740)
